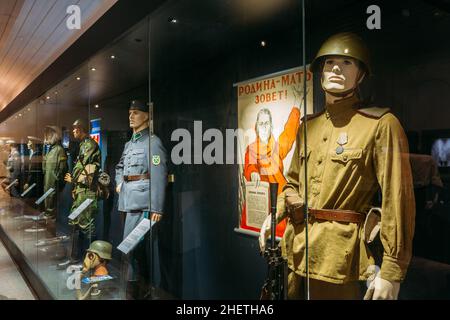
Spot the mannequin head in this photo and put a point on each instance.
(97, 257)
(264, 125)
(33, 142)
(138, 115)
(79, 130)
(92, 261)
(341, 75)
(52, 135)
(343, 62)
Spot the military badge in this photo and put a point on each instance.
(156, 160)
(341, 141)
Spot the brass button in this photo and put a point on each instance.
(345, 158)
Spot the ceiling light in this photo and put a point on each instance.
(78, 78)
(97, 106)
(48, 97)
(263, 43)
(93, 69)
(113, 57)
(173, 20)
(20, 114)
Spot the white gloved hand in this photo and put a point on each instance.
(381, 289)
(264, 233)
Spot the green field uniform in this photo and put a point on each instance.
(352, 153)
(54, 167)
(87, 188)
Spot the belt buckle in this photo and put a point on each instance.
(125, 178)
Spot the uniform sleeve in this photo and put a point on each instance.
(119, 167)
(292, 178)
(61, 165)
(393, 169)
(158, 175)
(251, 164)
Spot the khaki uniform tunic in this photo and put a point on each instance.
(375, 157)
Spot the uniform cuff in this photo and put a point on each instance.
(281, 208)
(393, 269)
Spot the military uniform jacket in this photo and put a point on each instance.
(54, 166)
(89, 154)
(374, 156)
(143, 195)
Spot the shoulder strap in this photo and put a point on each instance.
(374, 112)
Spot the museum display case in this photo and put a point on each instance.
(147, 171)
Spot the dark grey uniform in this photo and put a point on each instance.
(139, 199)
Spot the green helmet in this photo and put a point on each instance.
(344, 44)
(102, 248)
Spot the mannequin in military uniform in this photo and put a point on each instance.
(54, 167)
(141, 190)
(353, 152)
(84, 181)
(34, 168)
(13, 166)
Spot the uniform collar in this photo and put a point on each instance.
(138, 135)
(342, 107)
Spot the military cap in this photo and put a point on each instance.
(139, 105)
(34, 139)
(80, 123)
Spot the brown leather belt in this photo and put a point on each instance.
(337, 215)
(136, 178)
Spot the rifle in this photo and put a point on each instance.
(275, 286)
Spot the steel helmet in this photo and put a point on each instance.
(102, 248)
(345, 44)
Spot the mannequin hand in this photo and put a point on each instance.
(264, 233)
(68, 178)
(119, 187)
(381, 289)
(156, 217)
(255, 177)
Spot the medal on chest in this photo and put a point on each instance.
(341, 141)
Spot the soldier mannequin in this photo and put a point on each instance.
(54, 166)
(141, 191)
(352, 153)
(83, 178)
(34, 168)
(13, 166)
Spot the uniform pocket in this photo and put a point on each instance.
(138, 195)
(347, 155)
(137, 157)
